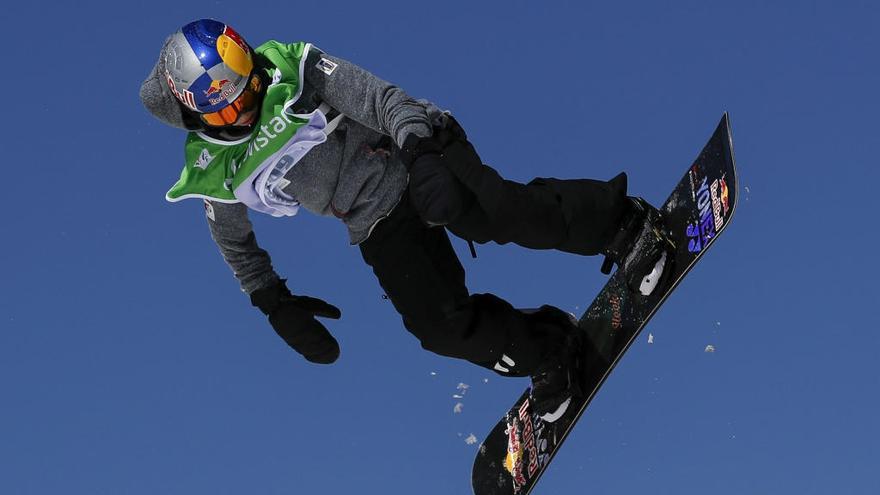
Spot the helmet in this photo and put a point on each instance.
(210, 69)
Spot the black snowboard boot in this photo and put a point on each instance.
(643, 245)
(557, 379)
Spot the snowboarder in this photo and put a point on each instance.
(285, 125)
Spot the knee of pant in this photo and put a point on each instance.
(440, 337)
(460, 333)
(487, 331)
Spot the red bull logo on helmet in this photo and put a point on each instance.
(219, 90)
(186, 97)
(216, 86)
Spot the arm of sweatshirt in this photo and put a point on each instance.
(365, 98)
(232, 232)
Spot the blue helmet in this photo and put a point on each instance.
(208, 65)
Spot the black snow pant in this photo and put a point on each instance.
(422, 276)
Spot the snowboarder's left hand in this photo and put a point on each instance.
(293, 319)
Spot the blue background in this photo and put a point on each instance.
(130, 362)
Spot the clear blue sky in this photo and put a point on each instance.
(130, 362)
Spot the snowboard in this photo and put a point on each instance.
(517, 451)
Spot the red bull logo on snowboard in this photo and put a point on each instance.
(725, 196)
(716, 205)
(518, 445)
(513, 463)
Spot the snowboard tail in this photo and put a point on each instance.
(519, 448)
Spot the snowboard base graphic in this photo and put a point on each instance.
(519, 448)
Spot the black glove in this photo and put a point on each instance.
(293, 319)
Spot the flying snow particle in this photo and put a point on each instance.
(709, 348)
(650, 338)
(433, 373)
(485, 380)
(458, 407)
(456, 396)
(463, 387)
(471, 439)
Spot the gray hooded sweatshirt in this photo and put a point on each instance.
(355, 175)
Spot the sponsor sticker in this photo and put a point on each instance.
(326, 66)
(616, 313)
(725, 196)
(219, 90)
(701, 231)
(216, 86)
(209, 210)
(204, 159)
(522, 443)
(716, 206)
(513, 462)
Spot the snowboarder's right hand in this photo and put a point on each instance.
(293, 319)
(416, 147)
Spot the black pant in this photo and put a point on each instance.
(423, 278)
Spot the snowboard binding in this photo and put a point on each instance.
(558, 380)
(643, 247)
